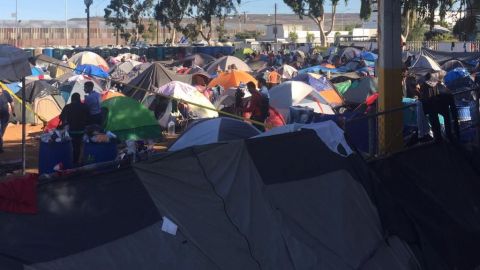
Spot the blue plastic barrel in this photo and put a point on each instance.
(51, 154)
(160, 53)
(135, 50)
(99, 152)
(114, 52)
(142, 51)
(29, 51)
(48, 52)
(105, 53)
(125, 50)
(58, 53)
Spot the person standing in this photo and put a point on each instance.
(93, 100)
(256, 106)
(6, 106)
(75, 115)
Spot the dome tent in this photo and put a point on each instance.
(162, 105)
(214, 130)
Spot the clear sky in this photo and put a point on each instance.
(55, 9)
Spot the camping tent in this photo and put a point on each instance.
(198, 59)
(130, 120)
(43, 101)
(295, 93)
(350, 53)
(91, 70)
(120, 72)
(359, 90)
(424, 64)
(214, 130)
(232, 79)
(452, 64)
(287, 72)
(77, 86)
(224, 62)
(281, 202)
(323, 86)
(151, 79)
(13, 64)
(89, 58)
(197, 105)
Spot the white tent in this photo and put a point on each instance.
(294, 93)
(188, 93)
(425, 62)
(287, 72)
(214, 130)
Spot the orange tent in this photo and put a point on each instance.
(232, 79)
(111, 94)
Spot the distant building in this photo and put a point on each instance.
(284, 30)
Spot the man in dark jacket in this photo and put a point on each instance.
(6, 105)
(76, 116)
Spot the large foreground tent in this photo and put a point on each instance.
(263, 203)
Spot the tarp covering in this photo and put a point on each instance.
(91, 70)
(431, 198)
(152, 78)
(13, 64)
(456, 74)
(442, 57)
(130, 120)
(214, 130)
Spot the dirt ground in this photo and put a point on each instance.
(12, 144)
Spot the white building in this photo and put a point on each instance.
(284, 30)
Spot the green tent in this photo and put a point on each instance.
(343, 86)
(130, 120)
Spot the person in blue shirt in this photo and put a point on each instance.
(93, 101)
(5, 101)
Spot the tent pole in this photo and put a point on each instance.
(23, 127)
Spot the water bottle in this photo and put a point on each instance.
(171, 128)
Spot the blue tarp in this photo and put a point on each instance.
(91, 70)
(37, 71)
(369, 56)
(454, 75)
(316, 69)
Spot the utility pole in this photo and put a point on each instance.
(66, 24)
(16, 23)
(88, 3)
(390, 125)
(275, 29)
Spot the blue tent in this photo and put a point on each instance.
(316, 69)
(91, 70)
(369, 56)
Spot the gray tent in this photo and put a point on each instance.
(152, 78)
(263, 203)
(360, 90)
(224, 62)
